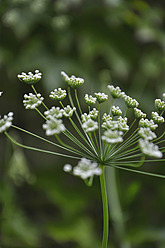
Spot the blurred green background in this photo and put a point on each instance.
(104, 42)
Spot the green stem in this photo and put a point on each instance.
(105, 209)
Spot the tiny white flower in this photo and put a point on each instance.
(29, 77)
(116, 111)
(139, 114)
(85, 117)
(122, 124)
(112, 136)
(149, 149)
(53, 126)
(6, 122)
(93, 113)
(67, 168)
(110, 124)
(58, 94)
(106, 117)
(32, 101)
(55, 112)
(85, 169)
(157, 118)
(90, 100)
(90, 126)
(147, 123)
(163, 96)
(1, 93)
(68, 111)
(130, 102)
(101, 97)
(72, 81)
(115, 91)
(159, 104)
(146, 133)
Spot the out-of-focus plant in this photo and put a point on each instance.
(101, 138)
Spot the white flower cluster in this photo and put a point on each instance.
(90, 100)
(68, 111)
(116, 111)
(112, 136)
(84, 169)
(93, 113)
(58, 94)
(90, 126)
(106, 117)
(147, 123)
(146, 133)
(32, 101)
(120, 124)
(115, 91)
(160, 105)
(157, 118)
(130, 102)
(6, 122)
(72, 81)
(139, 114)
(56, 112)
(53, 126)
(149, 149)
(101, 97)
(85, 117)
(29, 77)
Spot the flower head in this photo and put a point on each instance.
(6, 122)
(90, 125)
(159, 104)
(68, 111)
(130, 102)
(30, 78)
(101, 97)
(56, 112)
(147, 123)
(149, 149)
(157, 118)
(53, 126)
(85, 117)
(139, 114)
(110, 124)
(58, 94)
(90, 100)
(1, 93)
(32, 101)
(112, 136)
(122, 124)
(115, 91)
(86, 168)
(106, 117)
(116, 111)
(93, 113)
(72, 81)
(146, 133)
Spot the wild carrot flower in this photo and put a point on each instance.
(90, 100)
(6, 122)
(56, 112)
(53, 126)
(103, 138)
(58, 94)
(29, 77)
(85, 169)
(32, 101)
